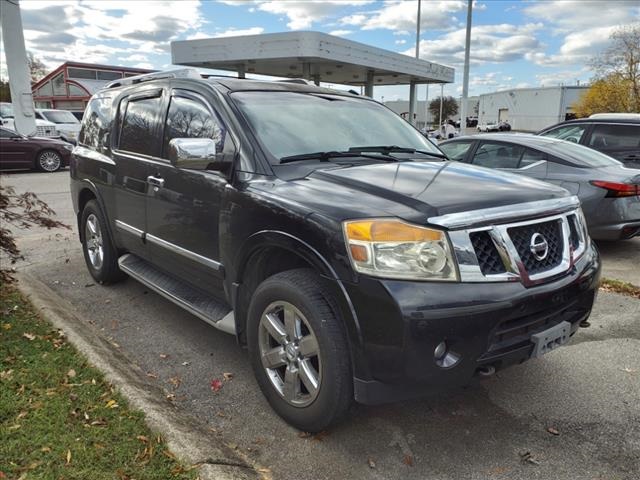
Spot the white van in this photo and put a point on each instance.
(44, 128)
(66, 122)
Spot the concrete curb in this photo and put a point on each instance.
(188, 440)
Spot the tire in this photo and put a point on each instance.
(301, 293)
(99, 254)
(49, 161)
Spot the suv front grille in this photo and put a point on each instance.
(488, 257)
(552, 233)
(45, 131)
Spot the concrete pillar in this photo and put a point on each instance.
(368, 88)
(306, 71)
(316, 79)
(241, 70)
(412, 102)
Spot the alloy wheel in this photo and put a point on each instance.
(49, 161)
(290, 354)
(93, 241)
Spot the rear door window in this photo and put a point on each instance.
(139, 125)
(530, 156)
(456, 150)
(615, 137)
(497, 155)
(571, 133)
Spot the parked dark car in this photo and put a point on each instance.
(608, 191)
(20, 152)
(504, 126)
(354, 263)
(617, 135)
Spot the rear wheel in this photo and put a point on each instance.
(99, 254)
(49, 161)
(299, 351)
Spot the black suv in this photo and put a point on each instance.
(328, 235)
(615, 134)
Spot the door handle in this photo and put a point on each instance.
(155, 181)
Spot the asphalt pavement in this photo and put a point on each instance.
(573, 414)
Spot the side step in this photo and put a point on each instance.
(199, 304)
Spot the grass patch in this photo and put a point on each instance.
(618, 286)
(59, 418)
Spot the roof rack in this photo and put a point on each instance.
(147, 77)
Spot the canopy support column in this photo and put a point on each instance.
(368, 87)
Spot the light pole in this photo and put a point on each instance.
(465, 78)
(412, 84)
(441, 100)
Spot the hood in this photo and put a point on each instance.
(432, 188)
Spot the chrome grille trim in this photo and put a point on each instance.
(469, 266)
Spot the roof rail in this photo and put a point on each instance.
(296, 80)
(147, 77)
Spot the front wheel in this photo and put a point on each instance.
(49, 161)
(299, 351)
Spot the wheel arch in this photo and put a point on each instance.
(88, 191)
(268, 252)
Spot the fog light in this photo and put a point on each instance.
(440, 351)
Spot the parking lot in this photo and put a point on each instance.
(572, 414)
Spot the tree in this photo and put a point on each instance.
(37, 69)
(20, 211)
(616, 86)
(5, 92)
(449, 108)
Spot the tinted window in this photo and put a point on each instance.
(530, 157)
(81, 73)
(571, 133)
(615, 136)
(456, 150)
(292, 123)
(95, 124)
(138, 126)
(103, 75)
(59, 88)
(6, 133)
(497, 155)
(189, 118)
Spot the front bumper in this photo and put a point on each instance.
(484, 324)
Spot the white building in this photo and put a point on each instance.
(401, 107)
(529, 109)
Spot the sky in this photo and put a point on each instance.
(514, 44)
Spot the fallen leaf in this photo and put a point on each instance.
(408, 460)
(186, 364)
(22, 415)
(175, 381)
(68, 457)
(143, 439)
(71, 373)
(29, 336)
(371, 462)
(304, 435)
(553, 431)
(152, 375)
(216, 385)
(98, 423)
(15, 427)
(45, 449)
(111, 404)
(227, 376)
(164, 356)
(73, 397)
(318, 437)
(6, 326)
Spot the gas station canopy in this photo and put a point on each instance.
(310, 55)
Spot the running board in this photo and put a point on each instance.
(203, 306)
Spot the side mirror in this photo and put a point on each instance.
(196, 154)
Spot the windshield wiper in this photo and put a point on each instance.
(387, 149)
(325, 156)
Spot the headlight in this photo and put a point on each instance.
(395, 249)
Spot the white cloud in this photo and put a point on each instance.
(232, 32)
(341, 33)
(302, 14)
(573, 15)
(564, 77)
(489, 44)
(401, 15)
(136, 57)
(401, 41)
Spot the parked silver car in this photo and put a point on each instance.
(609, 192)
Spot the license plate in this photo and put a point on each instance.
(551, 338)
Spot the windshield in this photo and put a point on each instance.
(581, 155)
(293, 123)
(6, 110)
(60, 116)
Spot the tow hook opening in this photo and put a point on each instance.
(486, 371)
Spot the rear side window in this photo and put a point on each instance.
(570, 133)
(615, 136)
(138, 130)
(529, 157)
(498, 155)
(189, 118)
(96, 124)
(456, 150)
